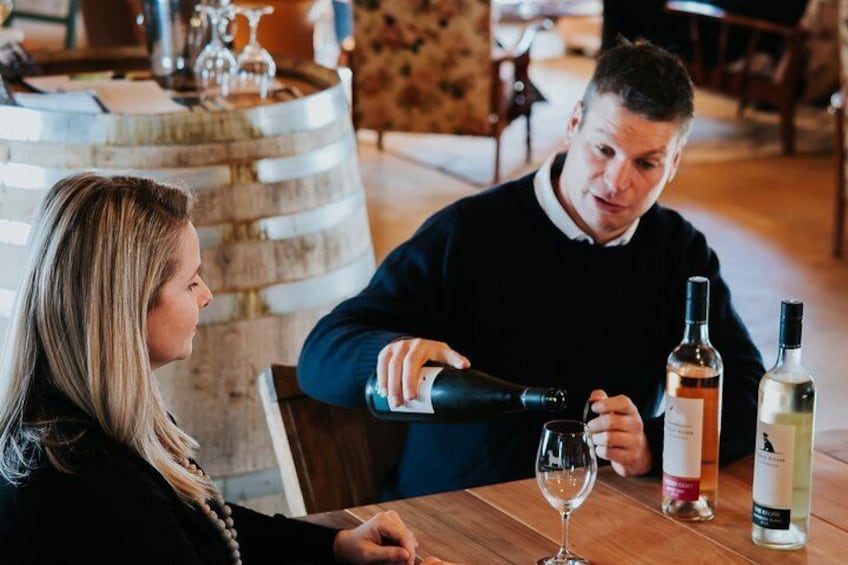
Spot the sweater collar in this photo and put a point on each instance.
(544, 182)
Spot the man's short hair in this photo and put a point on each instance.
(647, 79)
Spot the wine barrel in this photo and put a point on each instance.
(283, 228)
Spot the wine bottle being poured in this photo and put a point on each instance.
(446, 394)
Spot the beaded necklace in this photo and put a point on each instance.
(222, 519)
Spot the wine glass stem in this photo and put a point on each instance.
(253, 22)
(563, 549)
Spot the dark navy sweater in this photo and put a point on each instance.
(492, 276)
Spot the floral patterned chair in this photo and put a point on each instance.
(433, 66)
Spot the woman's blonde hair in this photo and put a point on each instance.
(99, 251)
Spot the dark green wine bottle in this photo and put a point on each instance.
(446, 394)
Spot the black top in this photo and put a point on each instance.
(494, 278)
(116, 508)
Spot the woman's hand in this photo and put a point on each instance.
(382, 539)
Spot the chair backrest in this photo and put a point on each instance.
(423, 67)
(52, 11)
(330, 457)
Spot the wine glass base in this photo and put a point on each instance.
(571, 559)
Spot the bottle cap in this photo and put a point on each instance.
(697, 299)
(791, 309)
(791, 315)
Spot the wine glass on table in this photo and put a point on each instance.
(566, 468)
(256, 67)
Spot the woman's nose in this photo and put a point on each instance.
(207, 297)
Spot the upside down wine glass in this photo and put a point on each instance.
(216, 65)
(565, 471)
(256, 67)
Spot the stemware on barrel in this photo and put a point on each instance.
(215, 67)
(256, 67)
(566, 468)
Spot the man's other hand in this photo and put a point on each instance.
(618, 434)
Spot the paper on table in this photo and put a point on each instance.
(136, 97)
(83, 101)
(118, 96)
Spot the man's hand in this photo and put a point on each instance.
(399, 365)
(618, 434)
(382, 539)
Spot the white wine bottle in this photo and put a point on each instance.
(446, 394)
(692, 415)
(783, 456)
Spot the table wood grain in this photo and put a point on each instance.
(621, 521)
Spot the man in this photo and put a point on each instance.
(571, 277)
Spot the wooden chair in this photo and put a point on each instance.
(52, 11)
(780, 88)
(432, 68)
(330, 457)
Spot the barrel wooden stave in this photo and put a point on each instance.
(222, 372)
(257, 200)
(74, 155)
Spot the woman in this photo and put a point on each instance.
(92, 468)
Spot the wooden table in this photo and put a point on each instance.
(620, 522)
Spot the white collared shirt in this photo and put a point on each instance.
(546, 195)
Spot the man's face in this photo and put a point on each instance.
(618, 164)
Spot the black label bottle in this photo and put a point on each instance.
(692, 415)
(446, 394)
(783, 454)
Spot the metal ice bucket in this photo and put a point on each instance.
(175, 35)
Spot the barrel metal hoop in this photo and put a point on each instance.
(179, 128)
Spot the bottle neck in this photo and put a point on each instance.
(537, 399)
(696, 332)
(789, 357)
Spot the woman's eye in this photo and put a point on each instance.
(605, 150)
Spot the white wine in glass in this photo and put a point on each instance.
(566, 468)
(6, 7)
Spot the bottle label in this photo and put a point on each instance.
(773, 465)
(423, 403)
(684, 422)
